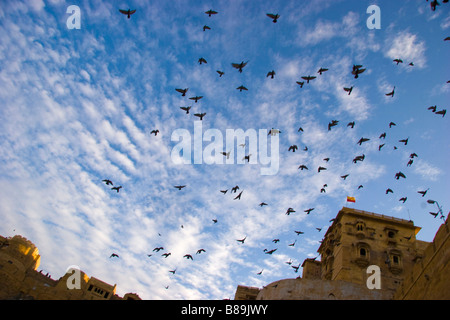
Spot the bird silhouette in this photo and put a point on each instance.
(200, 115)
(380, 146)
(128, 12)
(199, 251)
(399, 175)
(182, 91)
(263, 204)
(432, 108)
(292, 244)
(276, 240)
(165, 255)
(404, 141)
(398, 61)
(240, 88)
(202, 60)
(345, 176)
(351, 124)
(273, 132)
(238, 197)
(308, 211)
(308, 78)
(289, 211)
(226, 154)
(221, 73)
(383, 135)
(392, 124)
(242, 240)
(332, 123)
(179, 187)
(359, 158)
(293, 148)
(271, 251)
(303, 167)
(173, 271)
(196, 98)
(116, 188)
(210, 12)
(391, 93)
(186, 109)
(275, 17)
(423, 193)
(188, 256)
(270, 74)
(321, 168)
(114, 255)
(259, 273)
(205, 27)
(356, 71)
(362, 140)
(389, 190)
(300, 83)
(299, 232)
(157, 249)
(322, 70)
(403, 199)
(349, 90)
(239, 66)
(155, 132)
(234, 189)
(441, 112)
(107, 181)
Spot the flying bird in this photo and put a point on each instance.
(389, 190)
(398, 61)
(299, 232)
(179, 187)
(351, 124)
(383, 135)
(182, 91)
(247, 157)
(240, 88)
(271, 251)
(275, 17)
(403, 199)
(300, 83)
(242, 240)
(399, 175)
(128, 12)
(271, 74)
(157, 249)
(239, 66)
(186, 109)
(289, 211)
(263, 204)
(276, 240)
(188, 256)
(273, 132)
(107, 181)
(432, 108)
(321, 168)
(308, 78)
(293, 148)
(202, 60)
(404, 141)
(200, 251)
(344, 176)
(114, 255)
(441, 112)
(210, 12)
(235, 189)
(238, 197)
(200, 115)
(165, 255)
(226, 154)
(308, 211)
(116, 188)
(357, 71)
(349, 90)
(322, 70)
(391, 93)
(205, 27)
(332, 124)
(221, 73)
(155, 132)
(303, 167)
(362, 140)
(196, 98)
(392, 124)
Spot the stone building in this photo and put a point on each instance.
(408, 268)
(19, 278)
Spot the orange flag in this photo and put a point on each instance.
(351, 199)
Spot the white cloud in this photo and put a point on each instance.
(408, 47)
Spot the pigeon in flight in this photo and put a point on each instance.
(155, 132)
(240, 88)
(128, 12)
(202, 60)
(221, 73)
(179, 187)
(293, 148)
(242, 240)
(200, 115)
(107, 181)
(398, 61)
(289, 211)
(116, 188)
(270, 74)
(210, 12)
(186, 109)
(391, 93)
(239, 66)
(114, 255)
(182, 91)
(275, 17)
(196, 98)
(308, 78)
(349, 90)
(322, 70)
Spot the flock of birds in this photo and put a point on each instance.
(356, 71)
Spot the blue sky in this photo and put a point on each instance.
(78, 107)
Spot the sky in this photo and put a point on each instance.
(78, 106)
